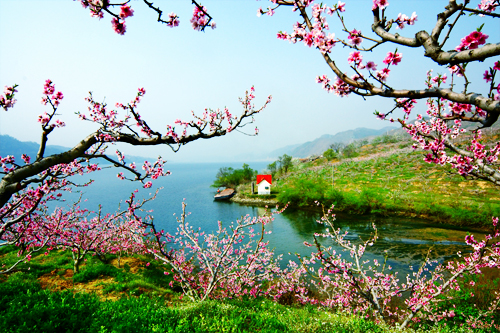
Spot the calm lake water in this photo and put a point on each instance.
(406, 240)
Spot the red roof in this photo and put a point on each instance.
(268, 178)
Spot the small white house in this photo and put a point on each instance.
(264, 184)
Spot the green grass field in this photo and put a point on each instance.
(389, 180)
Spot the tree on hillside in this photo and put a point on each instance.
(329, 154)
(449, 96)
(337, 147)
(285, 162)
(272, 167)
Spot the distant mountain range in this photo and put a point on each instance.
(12, 146)
(318, 146)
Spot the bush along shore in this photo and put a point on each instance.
(383, 178)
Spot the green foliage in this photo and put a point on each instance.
(303, 191)
(26, 307)
(337, 147)
(351, 150)
(8, 249)
(384, 139)
(330, 154)
(92, 272)
(229, 177)
(273, 168)
(285, 162)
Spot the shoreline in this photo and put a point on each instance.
(272, 202)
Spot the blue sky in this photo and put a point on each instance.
(183, 70)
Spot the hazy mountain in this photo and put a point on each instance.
(318, 146)
(12, 146)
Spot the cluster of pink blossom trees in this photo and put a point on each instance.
(237, 261)
(27, 187)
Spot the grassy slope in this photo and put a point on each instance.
(392, 179)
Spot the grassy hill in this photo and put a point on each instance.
(388, 177)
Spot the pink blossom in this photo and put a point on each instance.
(402, 19)
(380, 4)
(383, 74)
(341, 6)
(456, 69)
(488, 5)
(126, 11)
(497, 66)
(200, 20)
(393, 58)
(355, 37)
(118, 27)
(173, 20)
(472, 41)
(355, 57)
(370, 65)
(7, 99)
(487, 76)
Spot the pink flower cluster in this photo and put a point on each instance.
(356, 58)
(457, 70)
(339, 88)
(488, 5)
(7, 98)
(393, 58)
(231, 262)
(54, 101)
(9, 159)
(118, 23)
(173, 20)
(381, 4)
(402, 19)
(95, 6)
(472, 41)
(317, 37)
(49, 89)
(200, 20)
(355, 37)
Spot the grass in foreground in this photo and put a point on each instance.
(135, 297)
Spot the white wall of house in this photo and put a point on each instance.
(264, 187)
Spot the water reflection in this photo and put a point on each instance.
(407, 242)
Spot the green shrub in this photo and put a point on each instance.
(330, 154)
(92, 272)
